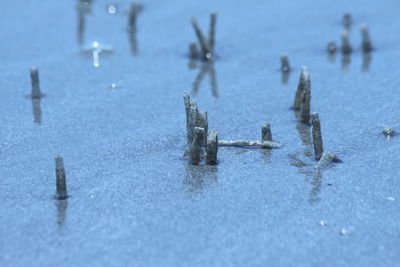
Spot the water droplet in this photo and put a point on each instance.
(96, 48)
(114, 86)
(344, 232)
(95, 44)
(112, 9)
(96, 62)
(323, 223)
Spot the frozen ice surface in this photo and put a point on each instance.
(134, 201)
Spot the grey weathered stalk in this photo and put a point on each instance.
(266, 134)
(261, 144)
(212, 148)
(285, 66)
(133, 13)
(326, 160)
(61, 183)
(196, 145)
(317, 137)
(304, 82)
(366, 42)
(193, 51)
(35, 83)
(347, 21)
(205, 50)
(211, 33)
(305, 108)
(331, 47)
(346, 46)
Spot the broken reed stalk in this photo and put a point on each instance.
(243, 143)
(285, 66)
(304, 82)
(211, 32)
(317, 137)
(186, 100)
(61, 183)
(305, 106)
(35, 83)
(202, 121)
(389, 132)
(204, 45)
(347, 20)
(346, 46)
(37, 111)
(331, 47)
(326, 159)
(81, 23)
(366, 42)
(197, 119)
(198, 135)
(193, 51)
(196, 146)
(212, 148)
(192, 120)
(266, 134)
(133, 12)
